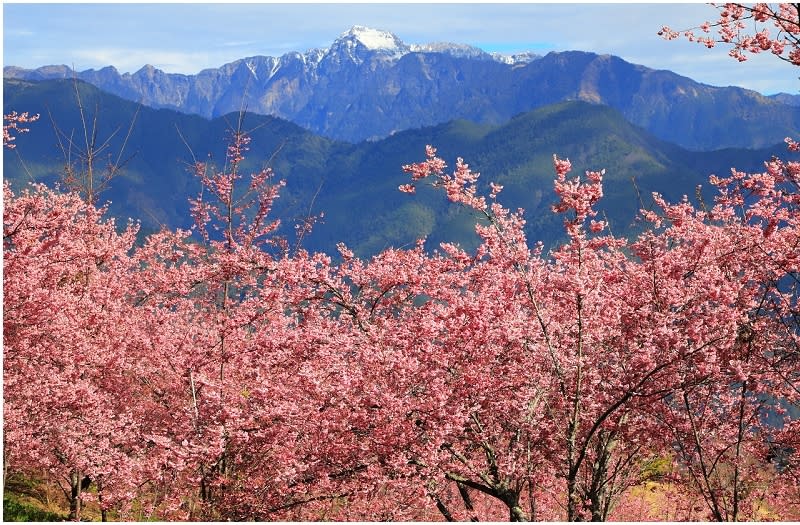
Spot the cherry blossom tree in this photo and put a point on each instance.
(65, 387)
(715, 422)
(723, 430)
(223, 307)
(621, 331)
(497, 444)
(66, 279)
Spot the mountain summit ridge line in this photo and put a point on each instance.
(369, 84)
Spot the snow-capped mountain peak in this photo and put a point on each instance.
(361, 43)
(374, 39)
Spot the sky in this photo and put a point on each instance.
(188, 37)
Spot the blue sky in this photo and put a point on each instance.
(188, 37)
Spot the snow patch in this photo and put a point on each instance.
(276, 65)
(313, 56)
(252, 69)
(468, 51)
(517, 58)
(448, 48)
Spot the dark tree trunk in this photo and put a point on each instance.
(76, 482)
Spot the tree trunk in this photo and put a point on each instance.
(103, 511)
(5, 461)
(599, 494)
(517, 514)
(75, 479)
(511, 499)
(598, 507)
(573, 500)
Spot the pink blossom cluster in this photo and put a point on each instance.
(11, 125)
(744, 28)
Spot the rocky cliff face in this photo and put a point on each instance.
(369, 84)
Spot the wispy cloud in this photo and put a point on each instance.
(129, 61)
(19, 32)
(239, 43)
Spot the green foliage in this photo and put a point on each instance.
(654, 469)
(19, 508)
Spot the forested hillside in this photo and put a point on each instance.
(336, 178)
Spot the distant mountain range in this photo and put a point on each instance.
(355, 185)
(369, 85)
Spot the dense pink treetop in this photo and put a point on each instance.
(66, 388)
(215, 374)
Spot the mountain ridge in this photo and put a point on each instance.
(354, 91)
